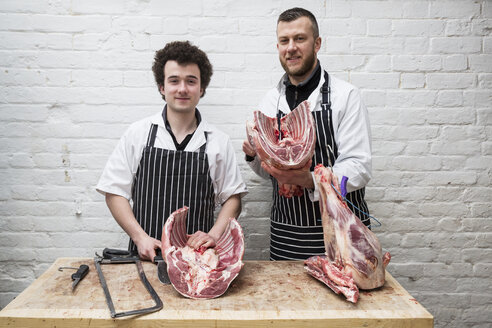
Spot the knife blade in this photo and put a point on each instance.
(161, 268)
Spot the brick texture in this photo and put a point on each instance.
(75, 74)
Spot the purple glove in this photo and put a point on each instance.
(343, 186)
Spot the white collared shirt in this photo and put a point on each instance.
(119, 172)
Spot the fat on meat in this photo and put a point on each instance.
(206, 272)
(354, 258)
(291, 147)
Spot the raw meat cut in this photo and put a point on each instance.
(202, 273)
(354, 258)
(294, 148)
(291, 147)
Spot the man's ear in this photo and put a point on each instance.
(317, 44)
(161, 89)
(201, 92)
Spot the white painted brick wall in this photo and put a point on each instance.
(74, 74)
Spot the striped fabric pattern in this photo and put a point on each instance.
(167, 180)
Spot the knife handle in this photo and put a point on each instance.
(81, 272)
(158, 256)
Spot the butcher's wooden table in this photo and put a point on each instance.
(265, 294)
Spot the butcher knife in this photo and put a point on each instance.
(77, 276)
(161, 268)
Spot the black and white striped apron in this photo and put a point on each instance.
(167, 180)
(296, 230)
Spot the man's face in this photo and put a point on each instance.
(181, 86)
(297, 48)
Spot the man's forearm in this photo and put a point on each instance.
(300, 177)
(122, 212)
(255, 165)
(230, 208)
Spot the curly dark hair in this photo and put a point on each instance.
(184, 53)
(294, 13)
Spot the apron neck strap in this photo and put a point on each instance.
(204, 146)
(152, 134)
(326, 93)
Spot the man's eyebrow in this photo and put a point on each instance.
(187, 76)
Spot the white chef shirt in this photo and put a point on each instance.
(351, 129)
(119, 172)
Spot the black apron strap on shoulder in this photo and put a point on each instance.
(152, 134)
(279, 116)
(326, 93)
(204, 146)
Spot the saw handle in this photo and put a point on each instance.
(81, 272)
(109, 253)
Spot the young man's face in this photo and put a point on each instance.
(181, 86)
(297, 48)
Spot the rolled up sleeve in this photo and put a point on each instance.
(117, 176)
(228, 179)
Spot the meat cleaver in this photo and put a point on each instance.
(161, 268)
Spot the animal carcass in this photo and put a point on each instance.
(291, 147)
(202, 273)
(354, 258)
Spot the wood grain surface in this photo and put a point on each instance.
(265, 294)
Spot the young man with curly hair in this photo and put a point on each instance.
(174, 159)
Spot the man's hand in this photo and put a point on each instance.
(248, 148)
(301, 177)
(333, 180)
(146, 247)
(123, 214)
(199, 239)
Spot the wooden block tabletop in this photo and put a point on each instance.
(273, 294)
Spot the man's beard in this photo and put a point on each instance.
(306, 66)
